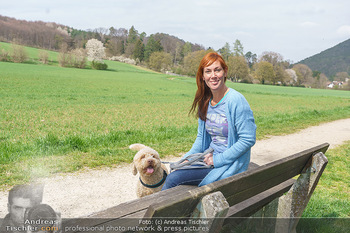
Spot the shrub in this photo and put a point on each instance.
(99, 65)
(4, 55)
(63, 59)
(19, 54)
(43, 56)
(160, 61)
(78, 58)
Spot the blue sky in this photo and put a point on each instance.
(296, 29)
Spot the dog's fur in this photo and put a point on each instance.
(147, 163)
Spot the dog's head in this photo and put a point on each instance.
(146, 160)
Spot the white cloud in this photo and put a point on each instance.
(344, 30)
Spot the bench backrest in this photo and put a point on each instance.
(182, 200)
(236, 188)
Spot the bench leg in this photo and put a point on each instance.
(211, 209)
(292, 205)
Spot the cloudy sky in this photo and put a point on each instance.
(296, 29)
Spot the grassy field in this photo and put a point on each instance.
(329, 209)
(55, 119)
(331, 198)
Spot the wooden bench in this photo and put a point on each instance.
(266, 191)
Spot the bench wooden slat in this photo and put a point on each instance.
(183, 204)
(251, 205)
(137, 205)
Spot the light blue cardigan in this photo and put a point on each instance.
(241, 137)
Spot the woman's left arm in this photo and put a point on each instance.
(245, 130)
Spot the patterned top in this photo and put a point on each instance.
(217, 126)
(241, 137)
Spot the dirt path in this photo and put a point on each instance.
(90, 190)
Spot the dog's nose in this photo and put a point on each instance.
(150, 161)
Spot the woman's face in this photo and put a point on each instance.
(214, 76)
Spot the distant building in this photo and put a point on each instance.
(334, 83)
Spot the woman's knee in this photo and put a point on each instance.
(171, 181)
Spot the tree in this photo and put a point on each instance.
(160, 61)
(303, 72)
(186, 49)
(347, 85)
(265, 71)
(316, 74)
(101, 32)
(112, 32)
(279, 66)
(342, 76)
(250, 58)
(142, 36)
(238, 48)
(292, 76)
(139, 50)
(281, 75)
(271, 57)
(120, 47)
(225, 51)
(192, 60)
(237, 68)
(95, 50)
(322, 81)
(112, 47)
(177, 53)
(151, 47)
(133, 36)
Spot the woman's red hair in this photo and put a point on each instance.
(203, 94)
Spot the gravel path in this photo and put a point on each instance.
(91, 190)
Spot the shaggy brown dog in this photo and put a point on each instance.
(152, 172)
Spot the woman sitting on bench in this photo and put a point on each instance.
(225, 126)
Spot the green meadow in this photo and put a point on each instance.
(329, 209)
(55, 119)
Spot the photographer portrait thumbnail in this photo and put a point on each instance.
(27, 213)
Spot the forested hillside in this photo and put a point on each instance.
(34, 34)
(331, 61)
(168, 53)
(117, 41)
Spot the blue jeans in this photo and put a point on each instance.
(185, 177)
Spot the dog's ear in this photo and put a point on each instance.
(137, 146)
(134, 169)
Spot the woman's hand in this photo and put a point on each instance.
(185, 161)
(208, 159)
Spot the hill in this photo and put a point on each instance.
(35, 34)
(49, 35)
(332, 60)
